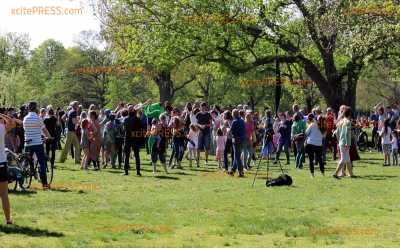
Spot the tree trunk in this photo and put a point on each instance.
(165, 86)
(344, 95)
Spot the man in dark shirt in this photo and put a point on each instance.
(72, 138)
(204, 120)
(238, 131)
(50, 121)
(134, 133)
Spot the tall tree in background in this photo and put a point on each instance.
(331, 40)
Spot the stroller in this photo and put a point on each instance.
(18, 170)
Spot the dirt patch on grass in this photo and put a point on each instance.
(214, 175)
(70, 186)
(135, 228)
(344, 231)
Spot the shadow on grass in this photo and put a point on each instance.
(375, 177)
(22, 192)
(29, 231)
(167, 177)
(182, 173)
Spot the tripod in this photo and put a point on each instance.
(258, 167)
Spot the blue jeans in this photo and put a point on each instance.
(237, 162)
(39, 151)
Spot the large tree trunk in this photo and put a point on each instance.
(165, 85)
(345, 92)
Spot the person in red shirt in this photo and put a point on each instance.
(330, 128)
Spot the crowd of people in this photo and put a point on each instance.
(237, 136)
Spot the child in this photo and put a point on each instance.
(85, 143)
(385, 134)
(192, 145)
(220, 142)
(395, 147)
(156, 144)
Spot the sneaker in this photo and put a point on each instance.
(275, 162)
(336, 177)
(46, 187)
(241, 174)
(138, 174)
(9, 222)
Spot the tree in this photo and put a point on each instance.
(330, 40)
(138, 40)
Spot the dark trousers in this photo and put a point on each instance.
(51, 146)
(283, 145)
(178, 146)
(127, 150)
(237, 162)
(39, 151)
(228, 148)
(315, 152)
(119, 143)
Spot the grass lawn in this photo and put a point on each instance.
(206, 208)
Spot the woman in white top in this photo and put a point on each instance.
(385, 134)
(6, 123)
(314, 144)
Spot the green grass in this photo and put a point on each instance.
(205, 208)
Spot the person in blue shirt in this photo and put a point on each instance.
(238, 132)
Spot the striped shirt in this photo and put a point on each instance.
(33, 126)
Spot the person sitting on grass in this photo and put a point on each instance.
(6, 124)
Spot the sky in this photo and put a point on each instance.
(61, 20)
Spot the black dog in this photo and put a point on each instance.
(282, 180)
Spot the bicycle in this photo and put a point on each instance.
(362, 138)
(35, 168)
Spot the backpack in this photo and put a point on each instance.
(282, 180)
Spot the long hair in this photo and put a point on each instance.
(386, 124)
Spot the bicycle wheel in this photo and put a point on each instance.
(362, 141)
(27, 174)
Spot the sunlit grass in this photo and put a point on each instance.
(202, 207)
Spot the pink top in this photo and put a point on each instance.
(221, 141)
(249, 130)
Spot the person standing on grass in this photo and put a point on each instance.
(395, 147)
(134, 138)
(220, 143)
(85, 143)
(34, 127)
(385, 135)
(6, 124)
(95, 138)
(298, 136)
(72, 138)
(50, 121)
(238, 131)
(343, 133)
(314, 145)
(284, 139)
(248, 142)
(192, 145)
(227, 123)
(204, 120)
